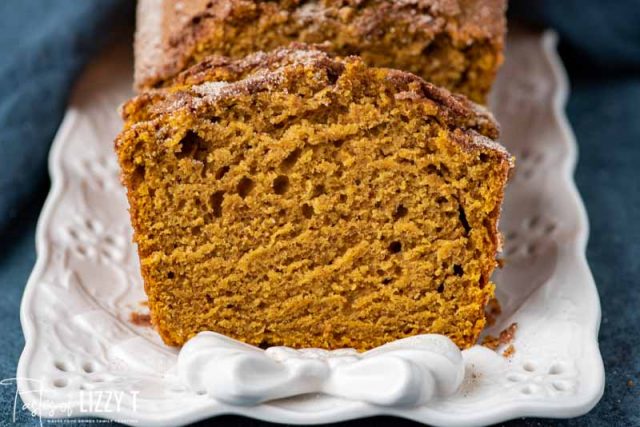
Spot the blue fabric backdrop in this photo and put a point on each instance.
(45, 43)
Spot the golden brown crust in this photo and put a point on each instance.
(442, 31)
(261, 71)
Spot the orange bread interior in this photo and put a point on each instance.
(310, 201)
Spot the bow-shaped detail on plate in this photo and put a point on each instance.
(406, 372)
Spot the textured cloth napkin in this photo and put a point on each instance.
(43, 46)
(45, 43)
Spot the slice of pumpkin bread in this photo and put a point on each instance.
(309, 201)
(457, 44)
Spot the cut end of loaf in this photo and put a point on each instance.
(307, 201)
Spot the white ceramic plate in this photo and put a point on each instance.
(75, 313)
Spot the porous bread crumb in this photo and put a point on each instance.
(140, 319)
(509, 351)
(493, 310)
(303, 203)
(506, 336)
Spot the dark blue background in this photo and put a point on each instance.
(45, 43)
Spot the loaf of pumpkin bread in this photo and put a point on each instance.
(292, 198)
(457, 44)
